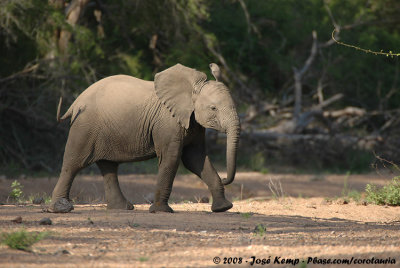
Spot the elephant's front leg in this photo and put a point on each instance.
(196, 160)
(168, 165)
(114, 197)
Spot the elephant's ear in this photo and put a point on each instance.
(175, 87)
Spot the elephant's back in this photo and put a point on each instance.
(113, 95)
(116, 87)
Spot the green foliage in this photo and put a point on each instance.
(388, 195)
(303, 264)
(355, 195)
(387, 54)
(22, 239)
(254, 162)
(143, 259)
(246, 215)
(16, 192)
(259, 230)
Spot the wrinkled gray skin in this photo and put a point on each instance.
(125, 119)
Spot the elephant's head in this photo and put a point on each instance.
(184, 90)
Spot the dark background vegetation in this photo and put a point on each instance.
(58, 48)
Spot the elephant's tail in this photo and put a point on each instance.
(66, 115)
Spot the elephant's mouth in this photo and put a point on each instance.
(215, 124)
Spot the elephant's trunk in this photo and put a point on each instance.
(232, 142)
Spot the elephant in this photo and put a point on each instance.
(125, 119)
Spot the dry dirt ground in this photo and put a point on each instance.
(300, 225)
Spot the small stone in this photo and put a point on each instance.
(38, 200)
(63, 251)
(45, 221)
(17, 219)
(204, 199)
(345, 202)
(333, 232)
(62, 205)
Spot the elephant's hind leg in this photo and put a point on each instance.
(60, 202)
(114, 197)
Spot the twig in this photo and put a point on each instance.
(273, 187)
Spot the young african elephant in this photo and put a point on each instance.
(124, 119)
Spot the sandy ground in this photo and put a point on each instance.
(299, 226)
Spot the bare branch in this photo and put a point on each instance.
(298, 76)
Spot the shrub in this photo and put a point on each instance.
(16, 192)
(388, 195)
(22, 239)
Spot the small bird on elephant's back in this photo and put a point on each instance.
(125, 119)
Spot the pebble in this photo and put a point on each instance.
(45, 221)
(38, 200)
(62, 251)
(17, 219)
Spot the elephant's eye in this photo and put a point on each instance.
(213, 108)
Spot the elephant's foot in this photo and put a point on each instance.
(121, 204)
(221, 205)
(160, 208)
(61, 205)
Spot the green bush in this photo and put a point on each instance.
(22, 239)
(16, 192)
(388, 195)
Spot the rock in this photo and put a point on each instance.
(45, 221)
(62, 205)
(38, 200)
(204, 199)
(17, 219)
(62, 251)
